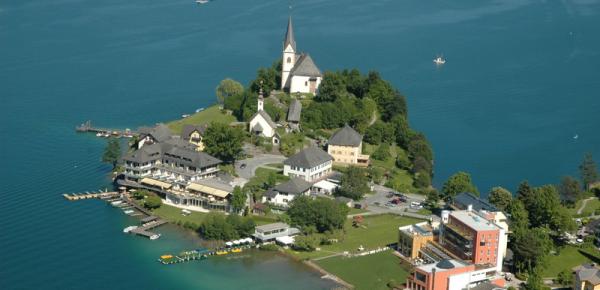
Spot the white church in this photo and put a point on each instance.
(299, 72)
(261, 123)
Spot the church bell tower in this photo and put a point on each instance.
(289, 54)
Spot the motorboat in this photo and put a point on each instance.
(201, 1)
(154, 237)
(129, 229)
(199, 109)
(439, 60)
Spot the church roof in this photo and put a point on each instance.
(294, 111)
(289, 36)
(346, 137)
(266, 117)
(305, 66)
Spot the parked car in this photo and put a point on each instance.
(416, 205)
(243, 165)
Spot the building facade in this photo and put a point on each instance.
(282, 194)
(345, 146)
(587, 277)
(311, 164)
(412, 238)
(194, 134)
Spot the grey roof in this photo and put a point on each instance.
(271, 193)
(308, 158)
(463, 200)
(294, 111)
(267, 118)
(273, 226)
(588, 272)
(145, 154)
(189, 129)
(345, 137)
(159, 133)
(293, 186)
(174, 150)
(486, 286)
(289, 35)
(305, 66)
(215, 183)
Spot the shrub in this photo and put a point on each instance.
(153, 202)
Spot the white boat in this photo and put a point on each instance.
(129, 229)
(439, 60)
(199, 110)
(185, 115)
(116, 203)
(201, 1)
(98, 134)
(576, 136)
(154, 237)
(129, 212)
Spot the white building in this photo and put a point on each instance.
(282, 194)
(261, 123)
(311, 164)
(299, 72)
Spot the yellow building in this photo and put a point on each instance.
(412, 238)
(587, 277)
(193, 134)
(345, 146)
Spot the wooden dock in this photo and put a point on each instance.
(104, 132)
(89, 195)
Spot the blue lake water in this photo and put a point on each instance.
(521, 79)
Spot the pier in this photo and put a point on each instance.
(89, 195)
(202, 254)
(87, 127)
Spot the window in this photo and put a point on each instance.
(305, 83)
(289, 59)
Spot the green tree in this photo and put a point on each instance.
(112, 152)
(322, 213)
(354, 184)
(382, 153)
(380, 132)
(332, 86)
(402, 130)
(223, 142)
(269, 76)
(500, 197)
(376, 174)
(518, 216)
(531, 249)
(422, 179)
(152, 202)
(140, 194)
(458, 183)
(565, 278)
(570, 190)
(238, 199)
(525, 194)
(216, 227)
(534, 281)
(307, 243)
(588, 170)
(433, 199)
(243, 226)
(228, 88)
(545, 210)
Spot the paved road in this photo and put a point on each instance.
(255, 162)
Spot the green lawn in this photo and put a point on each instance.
(275, 165)
(211, 114)
(589, 209)
(368, 272)
(261, 176)
(173, 215)
(569, 257)
(356, 210)
(401, 180)
(378, 231)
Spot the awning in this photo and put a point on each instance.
(208, 190)
(154, 182)
(285, 240)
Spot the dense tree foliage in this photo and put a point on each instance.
(382, 152)
(588, 170)
(270, 78)
(569, 189)
(458, 183)
(354, 183)
(322, 214)
(306, 242)
(223, 142)
(500, 197)
(228, 88)
(112, 152)
(422, 180)
(218, 227)
(545, 210)
(152, 202)
(518, 216)
(238, 199)
(531, 248)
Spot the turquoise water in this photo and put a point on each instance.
(521, 79)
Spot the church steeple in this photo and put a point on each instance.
(261, 100)
(289, 36)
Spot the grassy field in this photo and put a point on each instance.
(211, 114)
(378, 231)
(590, 207)
(399, 179)
(357, 210)
(569, 257)
(173, 215)
(368, 272)
(261, 175)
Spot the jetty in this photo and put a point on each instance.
(87, 127)
(89, 195)
(203, 253)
